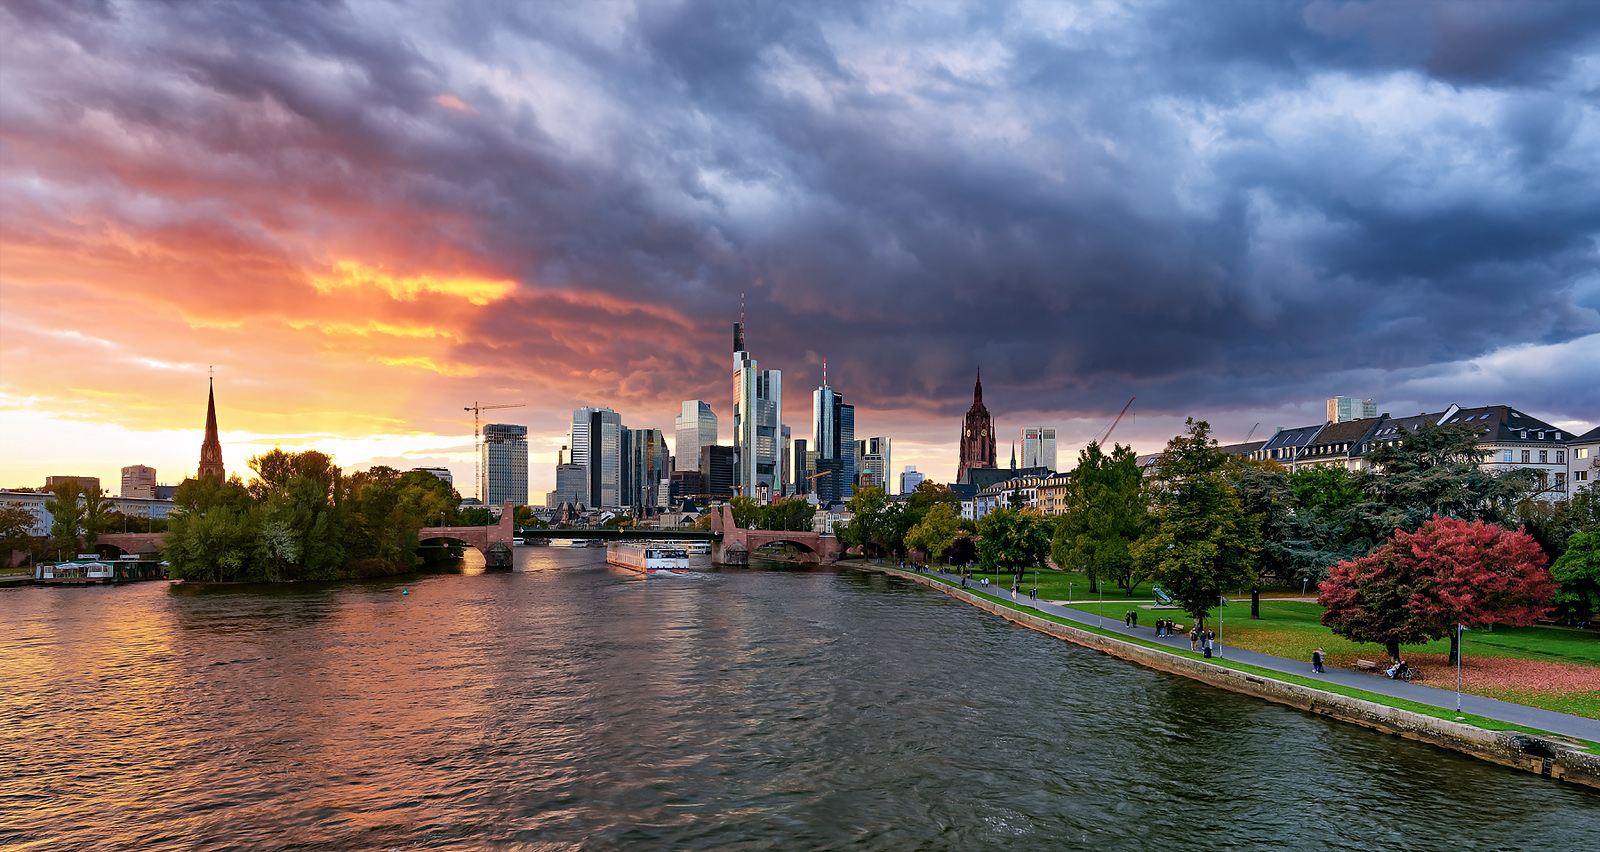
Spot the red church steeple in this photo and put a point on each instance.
(211, 449)
(977, 435)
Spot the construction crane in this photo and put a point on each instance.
(1113, 427)
(477, 461)
(1252, 431)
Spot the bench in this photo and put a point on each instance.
(1364, 665)
(1548, 621)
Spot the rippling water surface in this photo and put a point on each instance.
(567, 705)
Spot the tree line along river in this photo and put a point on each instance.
(568, 705)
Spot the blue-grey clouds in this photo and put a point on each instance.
(1221, 206)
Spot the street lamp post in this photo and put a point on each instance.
(1102, 606)
(1070, 584)
(1460, 629)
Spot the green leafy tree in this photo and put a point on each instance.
(936, 532)
(275, 468)
(1577, 575)
(16, 526)
(877, 524)
(66, 512)
(97, 508)
(1435, 470)
(1301, 534)
(471, 516)
(1203, 542)
(1013, 540)
(214, 531)
(747, 512)
(793, 515)
(1105, 514)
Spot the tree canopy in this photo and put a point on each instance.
(1013, 540)
(1105, 515)
(1203, 542)
(1415, 586)
(1577, 574)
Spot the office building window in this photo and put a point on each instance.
(1561, 456)
(1525, 454)
(1581, 453)
(1505, 455)
(1580, 475)
(1544, 457)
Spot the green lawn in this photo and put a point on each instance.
(1376, 698)
(1294, 629)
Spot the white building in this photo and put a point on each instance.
(1583, 461)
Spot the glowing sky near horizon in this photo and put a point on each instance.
(368, 216)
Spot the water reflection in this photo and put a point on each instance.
(567, 704)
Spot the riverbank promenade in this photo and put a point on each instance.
(1563, 724)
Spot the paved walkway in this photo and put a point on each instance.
(1505, 711)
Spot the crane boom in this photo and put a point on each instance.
(1252, 431)
(477, 410)
(1113, 426)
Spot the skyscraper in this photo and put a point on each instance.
(696, 428)
(139, 481)
(717, 471)
(211, 447)
(572, 483)
(645, 470)
(580, 450)
(757, 415)
(910, 479)
(1342, 408)
(977, 435)
(833, 435)
(504, 463)
(1039, 448)
(598, 437)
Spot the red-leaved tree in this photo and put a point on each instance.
(1416, 586)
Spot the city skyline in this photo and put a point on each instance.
(1384, 203)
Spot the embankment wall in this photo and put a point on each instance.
(1539, 755)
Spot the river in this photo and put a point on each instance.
(567, 705)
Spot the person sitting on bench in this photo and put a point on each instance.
(1395, 670)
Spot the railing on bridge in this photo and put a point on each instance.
(620, 535)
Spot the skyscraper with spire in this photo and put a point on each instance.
(211, 448)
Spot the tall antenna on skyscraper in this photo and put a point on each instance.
(824, 372)
(741, 306)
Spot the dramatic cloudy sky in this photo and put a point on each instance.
(367, 216)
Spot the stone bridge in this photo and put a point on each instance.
(131, 543)
(493, 541)
(735, 545)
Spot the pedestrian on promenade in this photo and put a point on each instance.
(1135, 618)
(1194, 638)
(1316, 661)
(1205, 643)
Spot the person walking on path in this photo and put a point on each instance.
(1205, 643)
(1135, 614)
(1194, 639)
(1316, 661)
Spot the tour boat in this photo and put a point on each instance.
(696, 547)
(569, 542)
(648, 557)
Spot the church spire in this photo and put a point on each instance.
(977, 389)
(211, 448)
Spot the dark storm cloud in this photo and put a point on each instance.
(1209, 205)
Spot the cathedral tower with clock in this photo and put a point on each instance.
(977, 435)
